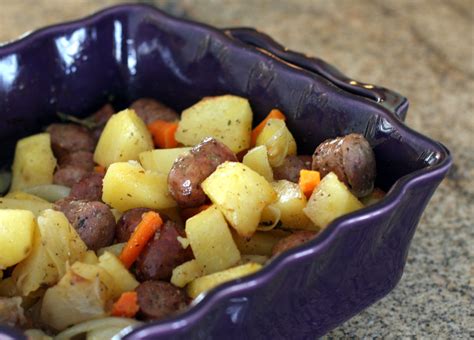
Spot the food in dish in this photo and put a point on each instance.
(113, 228)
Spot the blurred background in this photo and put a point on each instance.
(424, 50)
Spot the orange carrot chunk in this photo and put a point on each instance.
(309, 179)
(126, 306)
(150, 223)
(100, 169)
(274, 114)
(163, 133)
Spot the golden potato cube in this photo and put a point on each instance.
(17, 229)
(226, 118)
(240, 194)
(211, 241)
(127, 185)
(186, 272)
(278, 140)
(330, 200)
(124, 281)
(205, 283)
(291, 202)
(257, 160)
(125, 136)
(34, 162)
(24, 196)
(161, 160)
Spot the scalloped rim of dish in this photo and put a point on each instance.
(205, 301)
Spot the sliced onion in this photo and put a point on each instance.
(98, 328)
(270, 218)
(49, 192)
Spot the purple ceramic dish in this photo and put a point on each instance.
(132, 51)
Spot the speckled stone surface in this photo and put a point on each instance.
(424, 49)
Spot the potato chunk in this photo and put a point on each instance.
(127, 185)
(211, 241)
(257, 160)
(330, 200)
(208, 282)
(123, 280)
(240, 194)
(161, 160)
(17, 229)
(186, 272)
(291, 202)
(226, 118)
(124, 137)
(278, 140)
(34, 162)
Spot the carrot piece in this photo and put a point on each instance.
(163, 133)
(126, 306)
(150, 223)
(100, 169)
(274, 114)
(309, 179)
(190, 212)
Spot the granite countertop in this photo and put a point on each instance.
(425, 50)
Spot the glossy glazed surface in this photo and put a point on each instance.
(134, 51)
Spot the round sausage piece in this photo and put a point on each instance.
(69, 175)
(351, 158)
(67, 138)
(89, 188)
(100, 118)
(158, 300)
(93, 221)
(290, 169)
(78, 159)
(293, 240)
(128, 222)
(149, 110)
(163, 253)
(189, 170)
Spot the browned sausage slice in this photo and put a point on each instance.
(150, 110)
(291, 167)
(93, 221)
(293, 240)
(69, 175)
(189, 170)
(89, 188)
(158, 300)
(351, 158)
(78, 159)
(162, 254)
(66, 138)
(128, 222)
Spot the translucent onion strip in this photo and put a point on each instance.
(270, 218)
(97, 329)
(49, 192)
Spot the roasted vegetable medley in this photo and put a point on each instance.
(125, 217)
